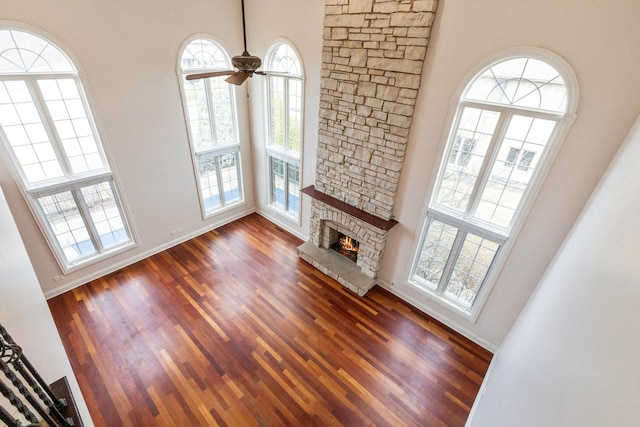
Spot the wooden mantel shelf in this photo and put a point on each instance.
(383, 224)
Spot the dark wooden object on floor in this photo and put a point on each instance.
(62, 390)
(233, 329)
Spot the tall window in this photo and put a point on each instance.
(284, 145)
(210, 110)
(506, 120)
(49, 137)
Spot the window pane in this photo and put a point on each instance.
(223, 118)
(203, 54)
(285, 60)
(277, 182)
(209, 102)
(24, 52)
(66, 108)
(517, 159)
(295, 115)
(26, 134)
(67, 225)
(230, 176)
(198, 114)
(208, 176)
(105, 214)
(465, 157)
(471, 267)
(276, 110)
(293, 187)
(524, 82)
(435, 251)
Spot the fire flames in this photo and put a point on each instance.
(348, 244)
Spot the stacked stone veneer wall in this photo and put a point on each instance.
(373, 52)
(372, 58)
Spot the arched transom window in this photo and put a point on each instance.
(284, 144)
(49, 137)
(507, 118)
(210, 110)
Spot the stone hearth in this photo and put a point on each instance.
(373, 53)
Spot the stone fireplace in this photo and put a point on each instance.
(373, 52)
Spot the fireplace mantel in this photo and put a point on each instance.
(376, 221)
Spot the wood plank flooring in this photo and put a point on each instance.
(233, 329)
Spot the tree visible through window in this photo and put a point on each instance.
(284, 145)
(506, 119)
(211, 113)
(49, 136)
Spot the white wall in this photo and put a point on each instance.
(25, 315)
(595, 38)
(572, 357)
(129, 50)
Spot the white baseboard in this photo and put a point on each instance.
(139, 257)
(448, 322)
(277, 219)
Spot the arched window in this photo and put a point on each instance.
(49, 137)
(210, 111)
(284, 144)
(507, 118)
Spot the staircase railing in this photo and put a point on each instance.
(23, 387)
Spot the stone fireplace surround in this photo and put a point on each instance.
(329, 216)
(372, 58)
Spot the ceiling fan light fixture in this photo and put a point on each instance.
(246, 62)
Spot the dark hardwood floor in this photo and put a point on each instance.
(233, 329)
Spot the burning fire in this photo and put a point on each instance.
(347, 244)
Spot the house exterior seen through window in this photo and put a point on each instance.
(284, 139)
(210, 111)
(507, 117)
(50, 139)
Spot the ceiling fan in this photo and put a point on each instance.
(245, 64)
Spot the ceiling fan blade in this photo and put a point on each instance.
(274, 73)
(237, 78)
(209, 74)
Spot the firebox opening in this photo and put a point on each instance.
(346, 246)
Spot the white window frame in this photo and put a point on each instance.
(287, 162)
(505, 237)
(216, 151)
(289, 157)
(70, 182)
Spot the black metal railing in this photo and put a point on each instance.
(29, 395)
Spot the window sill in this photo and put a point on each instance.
(222, 209)
(470, 314)
(280, 213)
(68, 268)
